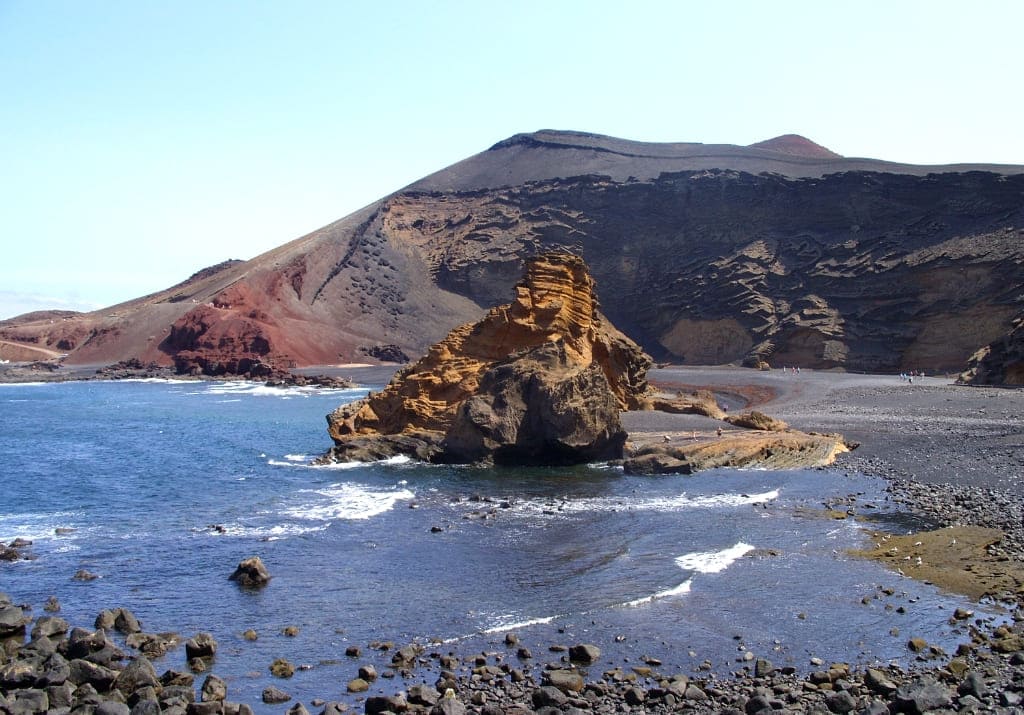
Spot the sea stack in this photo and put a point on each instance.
(540, 380)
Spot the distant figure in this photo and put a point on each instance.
(719, 431)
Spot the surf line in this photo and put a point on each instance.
(699, 562)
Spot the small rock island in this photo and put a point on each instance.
(541, 380)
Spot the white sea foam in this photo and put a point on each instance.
(680, 590)
(27, 384)
(713, 561)
(682, 502)
(296, 457)
(515, 625)
(36, 526)
(270, 533)
(257, 389)
(346, 501)
(389, 462)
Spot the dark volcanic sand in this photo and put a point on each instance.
(930, 431)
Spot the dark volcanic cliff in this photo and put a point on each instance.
(705, 253)
(860, 270)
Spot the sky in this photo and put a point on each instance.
(142, 141)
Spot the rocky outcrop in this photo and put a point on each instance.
(251, 573)
(539, 380)
(1001, 362)
(790, 449)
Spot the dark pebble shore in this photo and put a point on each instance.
(911, 435)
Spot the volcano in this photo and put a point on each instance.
(781, 252)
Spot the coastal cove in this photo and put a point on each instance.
(160, 488)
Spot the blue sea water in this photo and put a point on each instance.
(166, 486)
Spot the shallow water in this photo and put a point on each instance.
(683, 569)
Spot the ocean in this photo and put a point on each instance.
(160, 488)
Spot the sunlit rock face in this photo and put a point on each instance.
(539, 380)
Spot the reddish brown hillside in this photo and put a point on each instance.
(796, 145)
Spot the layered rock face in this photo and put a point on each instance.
(873, 272)
(539, 380)
(999, 363)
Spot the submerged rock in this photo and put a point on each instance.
(251, 573)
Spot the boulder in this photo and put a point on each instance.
(273, 696)
(146, 707)
(49, 626)
(55, 672)
(12, 621)
(203, 645)
(251, 573)
(584, 653)
(98, 676)
(153, 645)
(385, 704)
(357, 685)
(139, 673)
(423, 695)
(105, 619)
(568, 681)
(112, 707)
(548, 696)
(214, 689)
(125, 622)
(206, 707)
(29, 702)
(921, 695)
(757, 421)
(22, 673)
(281, 668)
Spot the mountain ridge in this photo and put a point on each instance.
(770, 268)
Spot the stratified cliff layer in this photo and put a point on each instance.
(861, 271)
(541, 379)
(999, 363)
(781, 251)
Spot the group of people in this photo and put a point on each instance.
(908, 377)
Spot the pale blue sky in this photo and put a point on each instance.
(142, 141)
